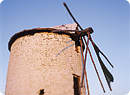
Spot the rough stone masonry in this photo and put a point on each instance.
(37, 68)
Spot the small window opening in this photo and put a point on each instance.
(76, 80)
(41, 92)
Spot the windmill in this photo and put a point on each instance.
(80, 40)
(33, 67)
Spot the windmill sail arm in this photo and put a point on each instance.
(106, 58)
(65, 5)
(107, 74)
(99, 51)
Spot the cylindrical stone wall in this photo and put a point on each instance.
(38, 67)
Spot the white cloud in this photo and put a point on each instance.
(128, 1)
(1, 1)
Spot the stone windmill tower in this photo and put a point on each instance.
(37, 68)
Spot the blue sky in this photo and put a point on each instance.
(110, 20)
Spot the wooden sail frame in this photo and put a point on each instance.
(81, 36)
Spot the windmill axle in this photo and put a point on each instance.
(85, 32)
